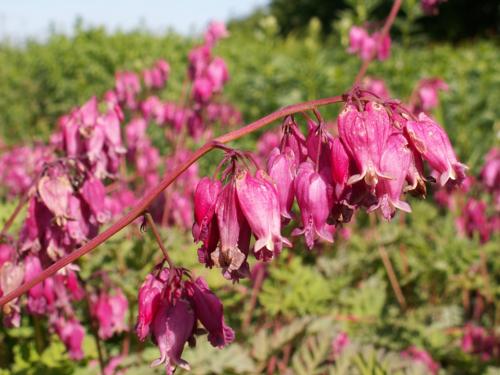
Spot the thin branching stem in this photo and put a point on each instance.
(156, 233)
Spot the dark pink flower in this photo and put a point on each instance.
(110, 310)
(209, 310)
(148, 303)
(339, 343)
(282, 167)
(217, 73)
(94, 194)
(314, 197)
(340, 165)
(55, 190)
(357, 36)
(431, 7)
(383, 46)
(11, 277)
(199, 58)
(395, 162)
(172, 327)
(7, 253)
(490, 174)
(474, 220)
(234, 231)
(203, 89)
(433, 144)
(365, 134)
(476, 340)
(205, 228)
(71, 333)
(376, 86)
(428, 93)
(420, 355)
(260, 205)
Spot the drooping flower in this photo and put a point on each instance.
(260, 205)
(314, 199)
(234, 231)
(339, 343)
(71, 333)
(210, 312)
(476, 340)
(110, 310)
(282, 167)
(11, 277)
(205, 228)
(357, 36)
(55, 190)
(365, 135)
(474, 220)
(433, 144)
(217, 73)
(172, 327)
(376, 86)
(395, 163)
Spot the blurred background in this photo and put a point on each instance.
(333, 310)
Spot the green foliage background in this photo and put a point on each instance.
(307, 298)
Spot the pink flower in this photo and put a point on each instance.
(217, 73)
(420, 355)
(234, 232)
(55, 190)
(148, 303)
(94, 194)
(339, 343)
(476, 340)
(209, 310)
(428, 93)
(110, 310)
(383, 46)
(71, 333)
(203, 89)
(431, 7)
(340, 165)
(490, 174)
(365, 134)
(216, 30)
(127, 86)
(357, 36)
(281, 167)
(7, 253)
(260, 205)
(314, 199)
(42, 294)
(172, 327)
(199, 58)
(205, 228)
(474, 220)
(376, 86)
(395, 162)
(433, 143)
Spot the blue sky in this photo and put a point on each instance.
(27, 18)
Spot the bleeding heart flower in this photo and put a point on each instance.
(434, 145)
(282, 167)
(260, 205)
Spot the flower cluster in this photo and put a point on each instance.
(377, 155)
(170, 306)
(369, 46)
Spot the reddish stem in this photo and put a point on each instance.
(152, 224)
(385, 30)
(144, 203)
